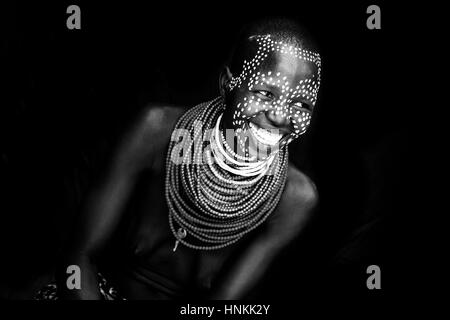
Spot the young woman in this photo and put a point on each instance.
(202, 200)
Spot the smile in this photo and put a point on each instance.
(267, 137)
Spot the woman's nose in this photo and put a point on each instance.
(278, 118)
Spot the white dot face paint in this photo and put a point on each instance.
(280, 78)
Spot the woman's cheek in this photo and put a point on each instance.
(244, 111)
(238, 114)
(300, 121)
(255, 106)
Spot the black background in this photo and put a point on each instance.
(68, 94)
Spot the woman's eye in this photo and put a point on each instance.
(301, 105)
(264, 93)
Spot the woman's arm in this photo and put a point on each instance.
(93, 229)
(104, 207)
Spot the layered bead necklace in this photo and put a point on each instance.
(215, 199)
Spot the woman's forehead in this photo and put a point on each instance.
(287, 66)
(276, 57)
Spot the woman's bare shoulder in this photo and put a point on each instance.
(145, 142)
(158, 124)
(296, 205)
(161, 118)
(300, 187)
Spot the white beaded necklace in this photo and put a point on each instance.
(242, 168)
(213, 205)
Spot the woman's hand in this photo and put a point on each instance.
(84, 276)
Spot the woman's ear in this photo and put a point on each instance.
(224, 80)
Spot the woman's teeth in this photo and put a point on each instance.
(265, 136)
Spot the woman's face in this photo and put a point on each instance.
(272, 100)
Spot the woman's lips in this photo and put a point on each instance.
(264, 136)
